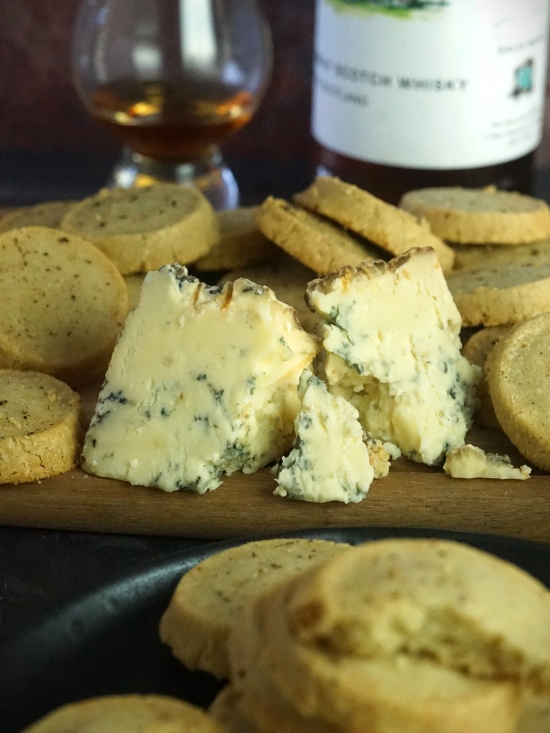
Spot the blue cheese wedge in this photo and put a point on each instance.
(391, 336)
(330, 460)
(202, 383)
(469, 461)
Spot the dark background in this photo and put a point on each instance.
(39, 109)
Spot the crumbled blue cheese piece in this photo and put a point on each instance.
(391, 336)
(469, 461)
(330, 459)
(202, 383)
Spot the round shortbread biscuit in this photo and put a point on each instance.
(476, 349)
(40, 428)
(479, 345)
(210, 598)
(468, 257)
(253, 687)
(392, 693)
(317, 243)
(241, 243)
(128, 714)
(480, 216)
(141, 229)
(62, 307)
(288, 279)
(392, 229)
(517, 371)
(496, 296)
(363, 604)
(49, 214)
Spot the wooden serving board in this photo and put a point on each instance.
(412, 495)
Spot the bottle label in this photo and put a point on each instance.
(430, 84)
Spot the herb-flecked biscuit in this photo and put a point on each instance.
(210, 598)
(288, 279)
(40, 430)
(516, 369)
(392, 229)
(48, 214)
(471, 256)
(382, 693)
(253, 686)
(62, 304)
(141, 229)
(497, 296)
(241, 243)
(480, 216)
(317, 243)
(358, 603)
(476, 349)
(128, 714)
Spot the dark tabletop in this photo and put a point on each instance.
(39, 569)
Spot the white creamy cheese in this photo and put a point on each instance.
(469, 461)
(330, 459)
(202, 383)
(391, 333)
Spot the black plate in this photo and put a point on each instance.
(107, 641)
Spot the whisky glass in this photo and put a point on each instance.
(172, 79)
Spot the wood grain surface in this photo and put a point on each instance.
(412, 495)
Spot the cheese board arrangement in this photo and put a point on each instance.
(422, 414)
(411, 495)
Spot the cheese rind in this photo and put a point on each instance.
(469, 461)
(330, 459)
(202, 383)
(391, 333)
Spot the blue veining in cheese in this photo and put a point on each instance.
(391, 333)
(202, 383)
(330, 459)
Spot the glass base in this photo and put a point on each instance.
(211, 176)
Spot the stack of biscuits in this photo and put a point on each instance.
(404, 635)
(391, 636)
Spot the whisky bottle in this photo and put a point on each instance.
(415, 93)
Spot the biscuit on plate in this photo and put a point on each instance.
(241, 243)
(141, 229)
(497, 296)
(62, 304)
(517, 370)
(405, 634)
(321, 245)
(128, 714)
(40, 430)
(480, 215)
(357, 210)
(210, 598)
